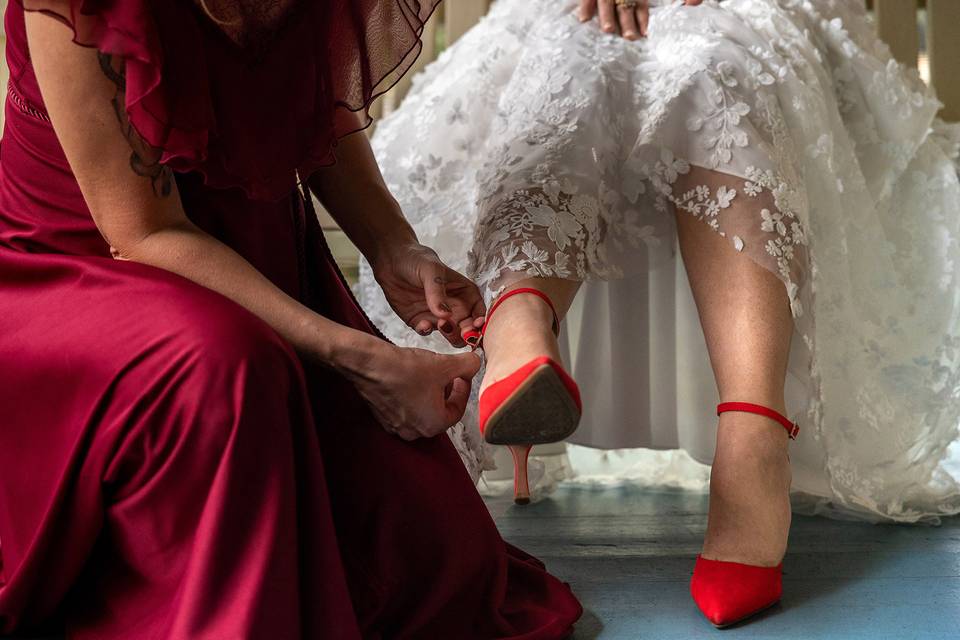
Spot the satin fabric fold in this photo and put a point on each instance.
(170, 468)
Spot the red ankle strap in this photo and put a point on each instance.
(792, 427)
(474, 338)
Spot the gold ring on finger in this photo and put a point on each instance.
(629, 4)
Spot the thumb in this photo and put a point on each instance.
(692, 3)
(456, 401)
(587, 9)
(434, 283)
(463, 365)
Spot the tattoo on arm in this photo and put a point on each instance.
(144, 159)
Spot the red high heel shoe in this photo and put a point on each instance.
(730, 592)
(536, 404)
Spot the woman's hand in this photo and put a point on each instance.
(426, 293)
(423, 291)
(631, 17)
(413, 393)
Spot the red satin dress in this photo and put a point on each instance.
(168, 466)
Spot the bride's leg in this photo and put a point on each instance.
(746, 320)
(521, 329)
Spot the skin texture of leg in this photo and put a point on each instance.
(521, 329)
(746, 320)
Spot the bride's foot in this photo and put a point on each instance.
(739, 572)
(749, 518)
(521, 330)
(526, 396)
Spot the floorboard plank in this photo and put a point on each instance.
(628, 553)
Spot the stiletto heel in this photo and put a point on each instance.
(730, 592)
(521, 488)
(536, 404)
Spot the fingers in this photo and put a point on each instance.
(456, 402)
(448, 328)
(642, 13)
(423, 327)
(692, 3)
(466, 304)
(433, 277)
(470, 331)
(588, 8)
(416, 393)
(479, 309)
(632, 19)
(627, 16)
(464, 365)
(425, 324)
(449, 294)
(608, 16)
(452, 329)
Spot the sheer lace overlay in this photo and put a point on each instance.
(540, 146)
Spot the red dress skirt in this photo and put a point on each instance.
(170, 469)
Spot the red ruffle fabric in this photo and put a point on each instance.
(204, 102)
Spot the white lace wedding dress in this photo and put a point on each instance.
(537, 145)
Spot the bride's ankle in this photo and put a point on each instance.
(751, 435)
(521, 321)
(749, 492)
(516, 341)
(529, 310)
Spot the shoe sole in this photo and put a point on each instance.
(539, 411)
(747, 617)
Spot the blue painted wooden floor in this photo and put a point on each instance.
(628, 553)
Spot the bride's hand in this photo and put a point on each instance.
(426, 293)
(631, 17)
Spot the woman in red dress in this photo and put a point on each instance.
(201, 436)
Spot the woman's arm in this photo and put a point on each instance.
(355, 195)
(135, 204)
(422, 290)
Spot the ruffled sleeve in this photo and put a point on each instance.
(250, 116)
